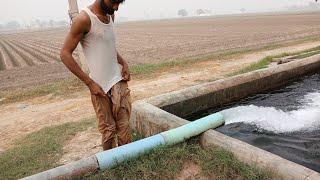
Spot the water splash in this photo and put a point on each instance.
(306, 118)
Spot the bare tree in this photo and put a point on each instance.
(183, 12)
(200, 12)
(243, 10)
(13, 25)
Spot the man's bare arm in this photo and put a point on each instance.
(73, 38)
(121, 60)
(80, 26)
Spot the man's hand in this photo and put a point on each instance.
(125, 73)
(95, 89)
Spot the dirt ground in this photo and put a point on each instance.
(157, 41)
(19, 119)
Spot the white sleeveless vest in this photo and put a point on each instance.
(99, 47)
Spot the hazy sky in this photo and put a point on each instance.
(26, 10)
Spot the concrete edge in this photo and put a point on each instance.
(149, 120)
(203, 89)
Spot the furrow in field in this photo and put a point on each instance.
(48, 48)
(2, 64)
(7, 63)
(17, 60)
(29, 59)
(39, 57)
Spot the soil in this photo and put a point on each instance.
(149, 42)
(146, 42)
(191, 171)
(19, 119)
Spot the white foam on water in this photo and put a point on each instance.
(306, 118)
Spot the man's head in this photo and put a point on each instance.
(109, 6)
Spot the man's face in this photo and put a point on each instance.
(109, 7)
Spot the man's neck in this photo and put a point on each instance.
(97, 9)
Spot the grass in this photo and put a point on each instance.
(38, 151)
(306, 55)
(41, 150)
(254, 66)
(264, 63)
(216, 162)
(150, 68)
(167, 162)
(67, 86)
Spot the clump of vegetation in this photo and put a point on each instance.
(167, 162)
(255, 66)
(67, 86)
(38, 151)
(264, 63)
(42, 150)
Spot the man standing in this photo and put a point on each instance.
(107, 80)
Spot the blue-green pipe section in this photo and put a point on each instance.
(111, 158)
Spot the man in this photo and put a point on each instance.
(107, 80)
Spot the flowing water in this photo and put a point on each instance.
(285, 122)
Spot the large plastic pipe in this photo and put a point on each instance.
(74, 169)
(113, 157)
(192, 129)
(110, 158)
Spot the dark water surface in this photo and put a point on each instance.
(282, 121)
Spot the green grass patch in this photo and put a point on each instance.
(255, 66)
(182, 62)
(306, 55)
(264, 63)
(216, 162)
(67, 86)
(39, 151)
(150, 68)
(167, 162)
(171, 63)
(301, 54)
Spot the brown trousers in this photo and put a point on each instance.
(113, 114)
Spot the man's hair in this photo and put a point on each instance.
(117, 1)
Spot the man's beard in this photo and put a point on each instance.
(105, 8)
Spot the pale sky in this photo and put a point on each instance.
(27, 10)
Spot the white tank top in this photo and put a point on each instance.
(99, 47)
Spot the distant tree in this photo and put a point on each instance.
(208, 11)
(243, 10)
(13, 25)
(62, 23)
(37, 23)
(183, 12)
(200, 12)
(51, 23)
(45, 24)
(313, 5)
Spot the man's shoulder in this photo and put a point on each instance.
(82, 18)
(82, 21)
